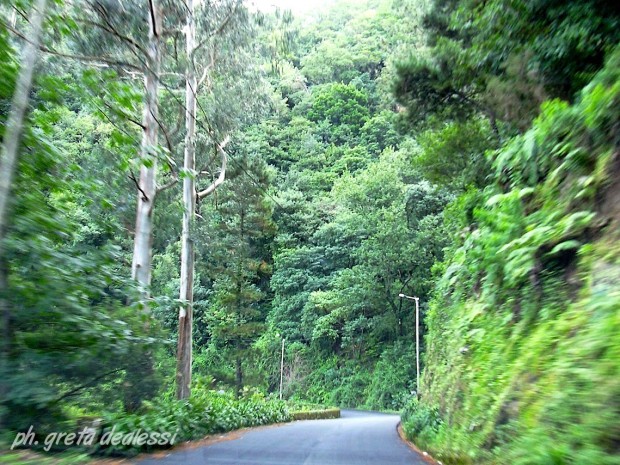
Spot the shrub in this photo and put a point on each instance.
(205, 412)
(322, 414)
(393, 378)
(420, 419)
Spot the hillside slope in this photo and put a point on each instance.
(523, 354)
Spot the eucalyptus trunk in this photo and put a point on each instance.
(8, 163)
(184, 347)
(147, 187)
(15, 122)
(140, 381)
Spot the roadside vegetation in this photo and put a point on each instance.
(521, 361)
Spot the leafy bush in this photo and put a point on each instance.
(351, 392)
(419, 419)
(205, 412)
(323, 414)
(393, 378)
(295, 405)
(332, 384)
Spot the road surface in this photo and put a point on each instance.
(358, 438)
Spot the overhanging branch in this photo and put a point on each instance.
(169, 184)
(222, 177)
(83, 58)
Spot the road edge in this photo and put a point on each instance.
(208, 440)
(425, 455)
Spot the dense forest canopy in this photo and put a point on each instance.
(194, 191)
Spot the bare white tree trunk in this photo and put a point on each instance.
(8, 163)
(15, 122)
(184, 347)
(190, 194)
(140, 368)
(147, 188)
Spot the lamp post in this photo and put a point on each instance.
(417, 338)
(281, 368)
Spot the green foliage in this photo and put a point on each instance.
(356, 225)
(576, 38)
(340, 291)
(28, 458)
(393, 378)
(338, 384)
(324, 414)
(427, 88)
(70, 333)
(340, 111)
(454, 155)
(520, 330)
(205, 412)
(295, 405)
(503, 59)
(238, 264)
(419, 420)
(506, 222)
(357, 38)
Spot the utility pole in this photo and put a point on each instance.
(417, 339)
(417, 345)
(282, 369)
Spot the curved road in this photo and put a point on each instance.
(358, 438)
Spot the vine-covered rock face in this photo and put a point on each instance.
(609, 205)
(533, 290)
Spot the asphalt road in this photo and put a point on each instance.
(358, 438)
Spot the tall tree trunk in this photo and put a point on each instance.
(184, 347)
(15, 122)
(8, 163)
(147, 188)
(140, 382)
(184, 344)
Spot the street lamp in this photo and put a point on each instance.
(417, 338)
(281, 368)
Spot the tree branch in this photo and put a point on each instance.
(84, 386)
(99, 60)
(104, 114)
(168, 185)
(168, 144)
(170, 73)
(21, 13)
(109, 27)
(179, 124)
(153, 17)
(206, 70)
(484, 109)
(123, 114)
(170, 32)
(132, 176)
(211, 159)
(222, 177)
